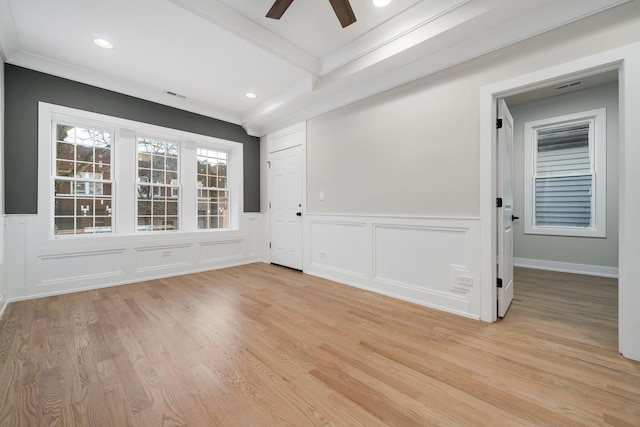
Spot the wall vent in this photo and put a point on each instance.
(568, 85)
(168, 92)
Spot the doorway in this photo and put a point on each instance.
(626, 60)
(551, 250)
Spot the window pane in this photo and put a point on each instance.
(84, 225)
(64, 225)
(62, 188)
(144, 160)
(172, 208)
(158, 177)
(65, 168)
(202, 165)
(65, 151)
(144, 207)
(84, 153)
(103, 170)
(172, 164)
(144, 175)
(158, 162)
(64, 207)
(158, 209)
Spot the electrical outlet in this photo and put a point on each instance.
(465, 280)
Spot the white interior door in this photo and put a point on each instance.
(505, 208)
(286, 207)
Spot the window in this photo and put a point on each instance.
(158, 185)
(116, 177)
(212, 190)
(83, 197)
(565, 160)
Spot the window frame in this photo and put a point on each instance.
(598, 163)
(124, 172)
(152, 186)
(54, 121)
(199, 189)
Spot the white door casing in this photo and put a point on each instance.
(504, 215)
(286, 207)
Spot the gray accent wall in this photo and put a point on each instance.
(24, 88)
(576, 250)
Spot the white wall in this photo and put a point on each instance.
(586, 253)
(3, 281)
(412, 154)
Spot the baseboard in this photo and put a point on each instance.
(567, 267)
(123, 282)
(5, 303)
(394, 295)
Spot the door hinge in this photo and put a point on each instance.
(499, 124)
(269, 205)
(269, 163)
(269, 245)
(499, 202)
(499, 283)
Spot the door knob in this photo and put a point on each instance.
(513, 217)
(298, 213)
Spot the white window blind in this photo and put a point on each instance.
(564, 177)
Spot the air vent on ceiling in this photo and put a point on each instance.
(168, 92)
(568, 85)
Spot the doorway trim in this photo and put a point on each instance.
(627, 61)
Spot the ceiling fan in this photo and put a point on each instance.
(342, 8)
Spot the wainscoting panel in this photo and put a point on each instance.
(39, 266)
(218, 252)
(70, 267)
(162, 257)
(340, 247)
(430, 261)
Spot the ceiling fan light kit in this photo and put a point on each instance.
(342, 9)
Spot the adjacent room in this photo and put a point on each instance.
(341, 212)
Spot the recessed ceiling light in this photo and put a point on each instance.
(105, 44)
(250, 95)
(381, 3)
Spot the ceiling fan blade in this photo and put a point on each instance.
(343, 11)
(279, 8)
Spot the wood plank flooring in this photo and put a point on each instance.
(260, 345)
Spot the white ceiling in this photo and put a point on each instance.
(213, 51)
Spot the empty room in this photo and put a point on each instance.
(329, 212)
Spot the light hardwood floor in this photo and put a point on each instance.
(261, 345)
